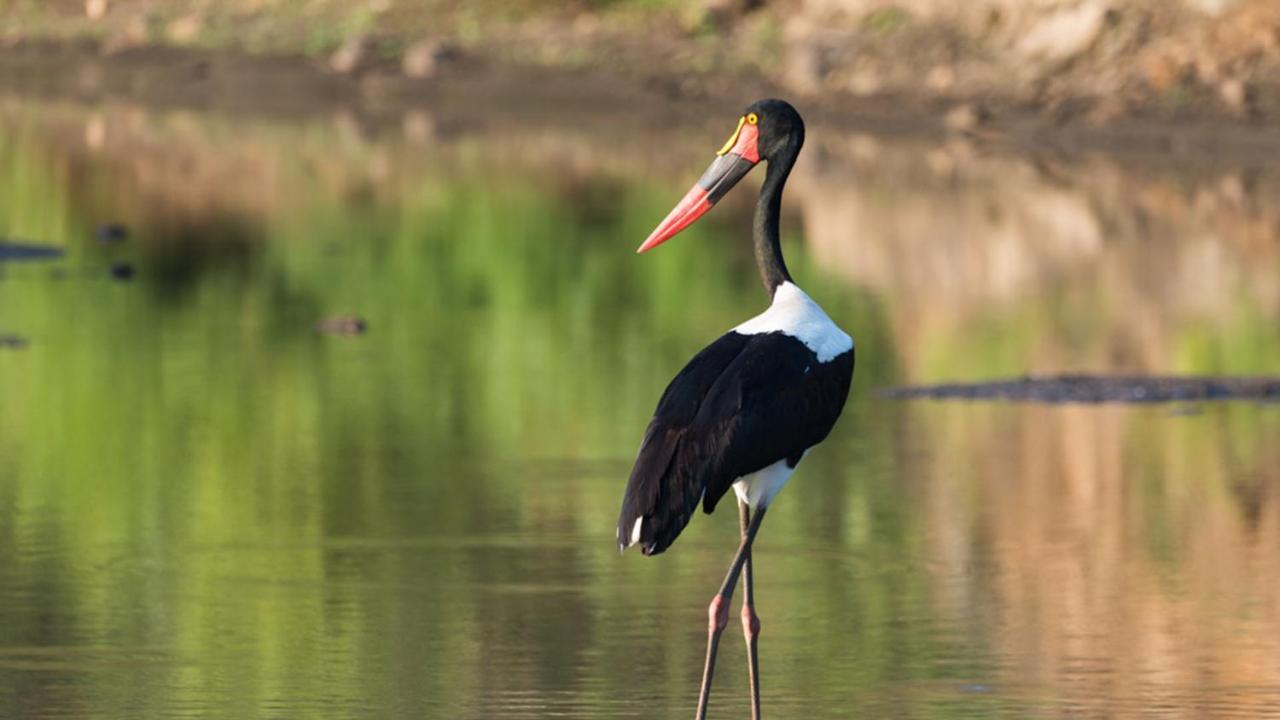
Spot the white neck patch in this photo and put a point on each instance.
(794, 313)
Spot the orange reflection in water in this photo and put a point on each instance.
(1128, 559)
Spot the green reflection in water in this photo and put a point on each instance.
(209, 509)
(415, 519)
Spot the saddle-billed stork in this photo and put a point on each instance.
(746, 409)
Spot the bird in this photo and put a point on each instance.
(745, 410)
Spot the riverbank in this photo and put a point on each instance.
(1185, 77)
(471, 91)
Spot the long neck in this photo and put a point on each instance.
(768, 244)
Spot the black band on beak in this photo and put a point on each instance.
(725, 172)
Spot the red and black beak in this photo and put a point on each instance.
(732, 163)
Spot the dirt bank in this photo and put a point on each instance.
(1095, 63)
(474, 90)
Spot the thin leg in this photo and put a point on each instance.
(750, 621)
(718, 611)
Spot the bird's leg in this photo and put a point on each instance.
(718, 611)
(750, 621)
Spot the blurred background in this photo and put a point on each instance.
(324, 354)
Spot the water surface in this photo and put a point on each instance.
(209, 509)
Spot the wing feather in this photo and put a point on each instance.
(743, 403)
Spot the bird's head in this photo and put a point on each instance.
(766, 128)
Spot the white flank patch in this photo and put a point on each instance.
(635, 531)
(794, 313)
(759, 488)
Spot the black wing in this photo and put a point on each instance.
(743, 403)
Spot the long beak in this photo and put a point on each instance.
(732, 163)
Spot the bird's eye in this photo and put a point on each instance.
(752, 118)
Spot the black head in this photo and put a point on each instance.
(779, 125)
(767, 130)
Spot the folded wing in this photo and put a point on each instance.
(743, 403)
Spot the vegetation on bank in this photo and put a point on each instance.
(319, 27)
(1096, 60)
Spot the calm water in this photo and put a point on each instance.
(208, 509)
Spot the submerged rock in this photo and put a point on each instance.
(121, 271)
(1099, 389)
(343, 325)
(13, 250)
(111, 233)
(12, 342)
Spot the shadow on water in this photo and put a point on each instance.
(209, 508)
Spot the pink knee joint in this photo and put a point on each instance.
(750, 623)
(717, 614)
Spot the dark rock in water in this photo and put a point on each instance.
(111, 233)
(121, 271)
(12, 342)
(14, 251)
(343, 325)
(1100, 389)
